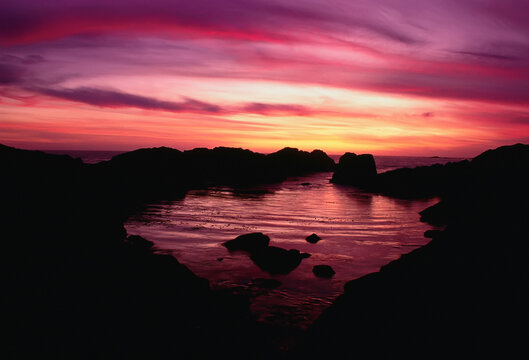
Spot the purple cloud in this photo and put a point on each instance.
(10, 75)
(112, 98)
(267, 109)
(118, 99)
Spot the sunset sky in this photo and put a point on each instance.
(390, 77)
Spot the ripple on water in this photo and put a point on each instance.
(360, 232)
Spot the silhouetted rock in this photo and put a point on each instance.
(355, 169)
(436, 214)
(291, 161)
(421, 181)
(145, 175)
(305, 255)
(248, 242)
(275, 260)
(313, 238)
(464, 292)
(324, 271)
(80, 287)
(418, 182)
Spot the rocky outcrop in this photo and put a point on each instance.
(421, 181)
(275, 260)
(271, 259)
(79, 287)
(144, 175)
(410, 183)
(465, 292)
(357, 170)
(291, 161)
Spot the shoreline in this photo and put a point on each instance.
(90, 205)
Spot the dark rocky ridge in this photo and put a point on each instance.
(464, 293)
(143, 175)
(79, 287)
(418, 182)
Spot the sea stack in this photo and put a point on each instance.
(352, 169)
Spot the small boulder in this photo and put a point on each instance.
(248, 242)
(324, 271)
(275, 260)
(313, 239)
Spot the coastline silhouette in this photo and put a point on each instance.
(80, 286)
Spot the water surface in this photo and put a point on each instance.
(360, 232)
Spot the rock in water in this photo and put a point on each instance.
(313, 239)
(355, 169)
(252, 242)
(275, 260)
(324, 271)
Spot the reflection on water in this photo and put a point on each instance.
(359, 231)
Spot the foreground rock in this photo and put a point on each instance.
(352, 169)
(275, 260)
(324, 271)
(466, 292)
(80, 288)
(271, 259)
(251, 243)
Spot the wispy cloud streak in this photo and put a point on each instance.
(412, 66)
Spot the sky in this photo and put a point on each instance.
(389, 77)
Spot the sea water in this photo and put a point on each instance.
(360, 233)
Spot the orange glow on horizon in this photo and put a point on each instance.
(348, 78)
